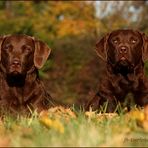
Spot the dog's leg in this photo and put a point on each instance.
(93, 103)
(104, 95)
(141, 94)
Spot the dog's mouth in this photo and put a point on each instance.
(124, 63)
(124, 66)
(15, 71)
(15, 68)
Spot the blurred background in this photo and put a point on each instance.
(71, 29)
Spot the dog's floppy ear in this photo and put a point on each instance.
(101, 48)
(145, 47)
(2, 38)
(41, 53)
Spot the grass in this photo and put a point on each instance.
(78, 129)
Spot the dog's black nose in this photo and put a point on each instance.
(123, 49)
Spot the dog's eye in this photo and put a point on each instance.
(133, 41)
(7, 47)
(26, 48)
(115, 41)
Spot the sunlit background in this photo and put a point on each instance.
(71, 29)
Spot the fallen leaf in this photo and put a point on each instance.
(53, 124)
(146, 112)
(136, 114)
(145, 121)
(59, 112)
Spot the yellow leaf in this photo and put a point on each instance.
(136, 114)
(145, 122)
(146, 112)
(53, 124)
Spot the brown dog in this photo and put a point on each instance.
(20, 87)
(124, 52)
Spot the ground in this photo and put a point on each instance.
(69, 127)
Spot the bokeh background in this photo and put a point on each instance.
(71, 29)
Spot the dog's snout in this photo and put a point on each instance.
(16, 62)
(123, 49)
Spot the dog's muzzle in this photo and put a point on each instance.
(15, 67)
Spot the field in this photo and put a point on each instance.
(67, 127)
(73, 71)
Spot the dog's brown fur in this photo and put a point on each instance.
(21, 89)
(124, 52)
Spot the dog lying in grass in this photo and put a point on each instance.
(21, 89)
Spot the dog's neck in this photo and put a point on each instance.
(15, 80)
(22, 85)
(135, 70)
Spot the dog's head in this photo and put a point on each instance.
(19, 53)
(123, 48)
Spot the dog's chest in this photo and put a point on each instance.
(16, 96)
(125, 85)
(10, 95)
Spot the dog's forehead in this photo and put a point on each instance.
(125, 33)
(19, 39)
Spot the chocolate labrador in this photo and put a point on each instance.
(124, 52)
(21, 89)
